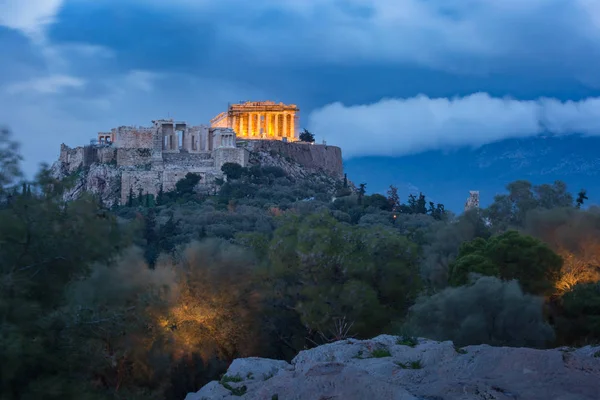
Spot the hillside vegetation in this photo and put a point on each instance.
(153, 299)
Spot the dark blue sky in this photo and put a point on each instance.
(376, 77)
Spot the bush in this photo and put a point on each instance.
(489, 311)
(508, 256)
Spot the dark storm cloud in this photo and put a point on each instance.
(353, 66)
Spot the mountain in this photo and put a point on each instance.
(447, 176)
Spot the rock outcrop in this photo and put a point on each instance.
(388, 367)
(112, 173)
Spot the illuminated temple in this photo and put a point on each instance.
(260, 120)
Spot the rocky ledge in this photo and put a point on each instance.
(389, 367)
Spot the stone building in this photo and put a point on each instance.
(260, 120)
(147, 159)
(472, 201)
(169, 136)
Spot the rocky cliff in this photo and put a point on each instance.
(111, 173)
(388, 367)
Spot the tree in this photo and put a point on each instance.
(362, 189)
(581, 197)
(578, 320)
(345, 185)
(509, 256)
(232, 170)
(393, 198)
(186, 187)
(306, 136)
(160, 197)
(130, 198)
(510, 210)
(10, 159)
(489, 311)
(140, 197)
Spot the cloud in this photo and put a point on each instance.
(395, 127)
(143, 80)
(31, 17)
(46, 85)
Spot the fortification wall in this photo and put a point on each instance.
(106, 155)
(134, 157)
(151, 181)
(189, 160)
(314, 157)
(233, 155)
(135, 138)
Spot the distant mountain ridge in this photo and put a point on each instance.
(447, 176)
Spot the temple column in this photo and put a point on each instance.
(286, 125)
(277, 134)
(240, 125)
(292, 125)
(250, 125)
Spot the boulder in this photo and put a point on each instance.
(388, 367)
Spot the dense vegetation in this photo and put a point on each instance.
(153, 299)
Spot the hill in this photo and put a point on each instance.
(450, 175)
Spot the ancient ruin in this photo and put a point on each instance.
(146, 160)
(260, 120)
(169, 136)
(472, 201)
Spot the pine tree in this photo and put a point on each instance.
(581, 197)
(160, 196)
(130, 199)
(345, 181)
(361, 192)
(393, 198)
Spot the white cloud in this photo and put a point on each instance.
(46, 85)
(142, 80)
(397, 127)
(31, 17)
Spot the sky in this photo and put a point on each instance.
(376, 77)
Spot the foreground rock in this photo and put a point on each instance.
(387, 367)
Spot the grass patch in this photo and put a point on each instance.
(596, 354)
(410, 365)
(380, 353)
(275, 397)
(239, 391)
(235, 378)
(460, 350)
(407, 341)
(236, 391)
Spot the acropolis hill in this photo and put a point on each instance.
(147, 159)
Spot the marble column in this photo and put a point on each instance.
(292, 126)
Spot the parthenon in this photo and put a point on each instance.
(260, 120)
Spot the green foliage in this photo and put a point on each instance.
(9, 160)
(578, 320)
(306, 136)
(381, 353)
(186, 186)
(489, 311)
(232, 170)
(326, 270)
(510, 210)
(153, 300)
(509, 256)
